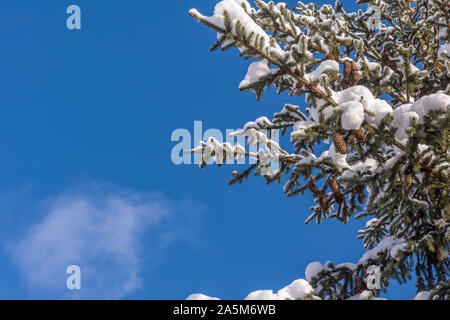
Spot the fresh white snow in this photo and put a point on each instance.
(297, 290)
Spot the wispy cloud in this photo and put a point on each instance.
(101, 229)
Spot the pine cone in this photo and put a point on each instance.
(361, 198)
(359, 134)
(347, 68)
(334, 185)
(313, 188)
(360, 285)
(386, 59)
(351, 138)
(329, 56)
(340, 144)
(324, 204)
(339, 198)
(355, 77)
(354, 67)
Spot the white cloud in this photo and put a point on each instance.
(99, 229)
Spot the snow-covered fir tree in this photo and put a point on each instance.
(379, 98)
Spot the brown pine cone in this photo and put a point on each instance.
(324, 204)
(354, 67)
(386, 59)
(329, 56)
(360, 285)
(339, 198)
(359, 134)
(334, 185)
(355, 77)
(361, 198)
(347, 68)
(351, 138)
(313, 188)
(340, 143)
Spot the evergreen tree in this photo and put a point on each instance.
(380, 98)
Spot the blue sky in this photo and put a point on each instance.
(86, 170)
